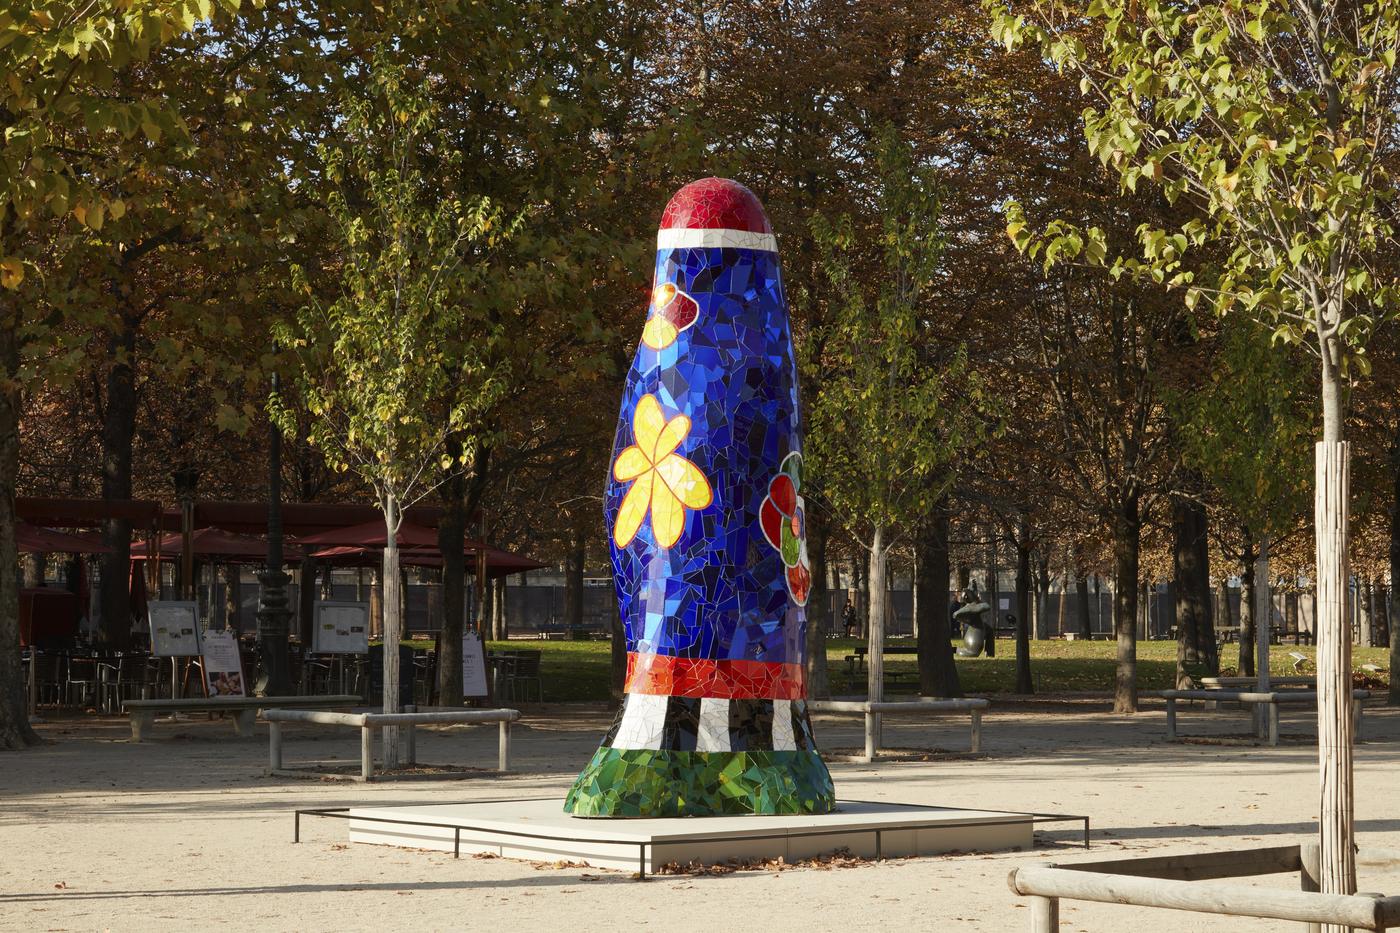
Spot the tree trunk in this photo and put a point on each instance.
(1247, 555)
(452, 533)
(1334, 714)
(875, 625)
(618, 680)
(1042, 597)
(1365, 610)
(1127, 527)
(1393, 697)
(1081, 585)
(993, 591)
(15, 731)
(1191, 609)
(306, 602)
(862, 595)
(1227, 615)
(573, 578)
(938, 673)
(818, 608)
(118, 429)
(393, 626)
(1024, 683)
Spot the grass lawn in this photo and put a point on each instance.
(578, 670)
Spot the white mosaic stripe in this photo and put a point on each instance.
(783, 739)
(677, 238)
(714, 725)
(643, 721)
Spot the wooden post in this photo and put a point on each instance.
(1263, 619)
(274, 746)
(1272, 719)
(871, 746)
(976, 731)
(1337, 866)
(1045, 915)
(367, 752)
(1171, 719)
(1307, 876)
(503, 754)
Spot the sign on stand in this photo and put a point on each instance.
(473, 666)
(341, 628)
(174, 628)
(223, 668)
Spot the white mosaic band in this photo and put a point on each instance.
(677, 238)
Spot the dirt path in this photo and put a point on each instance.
(185, 832)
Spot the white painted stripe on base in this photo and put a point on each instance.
(643, 721)
(783, 739)
(714, 725)
(704, 239)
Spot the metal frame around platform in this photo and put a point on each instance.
(343, 813)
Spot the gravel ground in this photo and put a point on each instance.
(186, 832)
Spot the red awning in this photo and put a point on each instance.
(499, 563)
(33, 540)
(298, 518)
(373, 535)
(217, 544)
(85, 513)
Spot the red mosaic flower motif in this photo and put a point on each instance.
(782, 517)
(673, 312)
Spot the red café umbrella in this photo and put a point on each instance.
(499, 563)
(372, 535)
(218, 545)
(30, 539)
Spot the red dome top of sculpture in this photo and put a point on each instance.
(715, 204)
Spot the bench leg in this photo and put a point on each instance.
(366, 753)
(1045, 915)
(1171, 719)
(274, 746)
(141, 723)
(503, 753)
(244, 720)
(976, 731)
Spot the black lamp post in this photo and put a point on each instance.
(273, 615)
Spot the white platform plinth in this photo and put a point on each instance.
(624, 844)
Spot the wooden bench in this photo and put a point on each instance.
(855, 662)
(1272, 700)
(368, 722)
(871, 710)
(1238, 683)
(245, 709)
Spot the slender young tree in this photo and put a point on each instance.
(887, 429)
(1274, 123)
(371, 355)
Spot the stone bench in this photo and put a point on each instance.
(1271, 700)
(368, 722)
(245, 709)
(873, 709)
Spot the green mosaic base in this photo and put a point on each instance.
(646, 783)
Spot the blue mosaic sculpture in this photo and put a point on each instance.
(706, 519)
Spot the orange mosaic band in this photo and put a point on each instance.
(701, 677)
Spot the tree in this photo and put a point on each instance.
(887, 428)
(62, 61)
(371, 354)
(1275, 123)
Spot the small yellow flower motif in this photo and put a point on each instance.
(665, 483)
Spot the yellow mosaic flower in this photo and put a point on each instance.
(664, 483)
